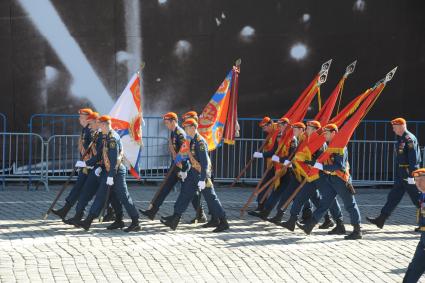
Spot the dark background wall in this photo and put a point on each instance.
(189, 45)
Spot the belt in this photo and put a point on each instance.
(403, 165)
(422, 228)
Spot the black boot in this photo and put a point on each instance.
(75, 219)
(264, 214)
(290, 224)
(117, 224)
(277, 218)
(306, 216)
(339, 229)
(214, 222)
(200, 218)
(223, 226)
(172, 222)
(110, 215)
(256, 211)
(308, 226)
(63, 211)
(328, 223)
(150, 213)
(378, 221)
(134, 226)
(87, 222)
(356, 234)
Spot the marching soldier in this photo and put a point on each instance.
(280, 156)
(335, 180)
(196, 201)
(92, 183)
(310, 191)
(407, 161)
(417, 265)
(112, 178)
(197, 177)
(177, 138)
(272, 130)
(83, 144)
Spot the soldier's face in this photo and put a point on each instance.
(329, 135)
(83, 120)
(267, 128)
(399, 129)
(297, 131)
(92, 124)
(170, 124)
(283, 126)
(104, 127)
(190, 130)
(310, 130)
(420, 183)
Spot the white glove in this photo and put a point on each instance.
(257, 155)
(110, 181)
(201, 185)
(411, 181)
(287, 162)
(275, 158)
(182, 175)
(80, 164)
(318, 165)
(98, 171)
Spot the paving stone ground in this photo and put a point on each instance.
(36, 250)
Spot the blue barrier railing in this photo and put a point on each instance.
(65, 124)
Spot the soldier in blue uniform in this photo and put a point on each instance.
(281, 155)
(407, 161)
(92, 183)
(83, 146)
(270, 145)
(417, 265)
(311, 191)
(197, 176)
(177, 138)
(335, 180)
(112, 177)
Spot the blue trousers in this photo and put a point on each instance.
(75, 192)
(119, 194)
(396, 194)
(329, 187)
(189, 189)
(88, 192)
(310, 191)
(287, 182)
(417, 265)
(168, 187)
(269, 175)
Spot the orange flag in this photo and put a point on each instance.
(342, 138)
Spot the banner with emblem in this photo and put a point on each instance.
(221, 112)
(126, 117)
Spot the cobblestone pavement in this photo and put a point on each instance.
(32, 249)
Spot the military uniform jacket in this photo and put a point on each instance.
(96, 152)
(199, 158)
(177, 137)
(408, 155)
(337, 164)
(84, 141)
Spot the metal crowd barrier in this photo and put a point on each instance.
(371, 162)
(20, 164)
(62, 154)
(67, 124)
